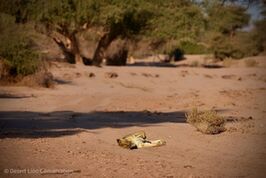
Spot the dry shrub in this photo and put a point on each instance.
(207, 122)
(39, 79)
(228, 62)
(251, 63)
(194, 64)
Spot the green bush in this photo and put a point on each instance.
(193, 48)
(19, 57)
(236, 47)
(16, 48)
(224, 50)
(177, 54)
(237, 54)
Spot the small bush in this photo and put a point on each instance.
(39, 79)
(228, 52)
(228, 62)
(16, 48)
(20, 62)
(237, 47)
(19, 57)
(251, 63)
(194, 64)
(172, 50)
(237, 54)
(177, 54)
(223, 51)
(207, 122)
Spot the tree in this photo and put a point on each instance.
(224, 21)
(259, 28)
(161, 21)
(65, 19)
(124, 19)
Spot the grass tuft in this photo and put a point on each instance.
(207, 122)
(251, 63)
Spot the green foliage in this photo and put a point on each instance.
(72, 16)
(223, 35)
(248, 44)
(193, 48)
(207, 122)
(259, 34)
(236, 47)
(179, 20)
(16, 48)
(18, 57)
(128, 16)
(226, 19)
(181, 24)
(110, 19)
(223, 48)
(65, 16)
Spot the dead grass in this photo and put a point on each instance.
(39, 79)
(207, 122)
(194, 64)
(229, 62)
(251, 63)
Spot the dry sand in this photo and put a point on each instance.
(72, 128)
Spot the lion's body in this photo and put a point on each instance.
(138, 140)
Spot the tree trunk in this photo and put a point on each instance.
(70, 57)
(103, 44)
(70, 49)
(74, 48)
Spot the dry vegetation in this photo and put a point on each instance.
(207, 122)
(251, 63)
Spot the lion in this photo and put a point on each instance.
(138, 140)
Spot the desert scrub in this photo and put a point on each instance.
(17, 53)
(19, 57)
(228, 62)
(194, 64)
(207, 122)
(251, 63)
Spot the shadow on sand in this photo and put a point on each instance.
(152, 64)
(12, 96)
(18, 124)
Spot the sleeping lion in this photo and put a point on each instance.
(138, 140)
